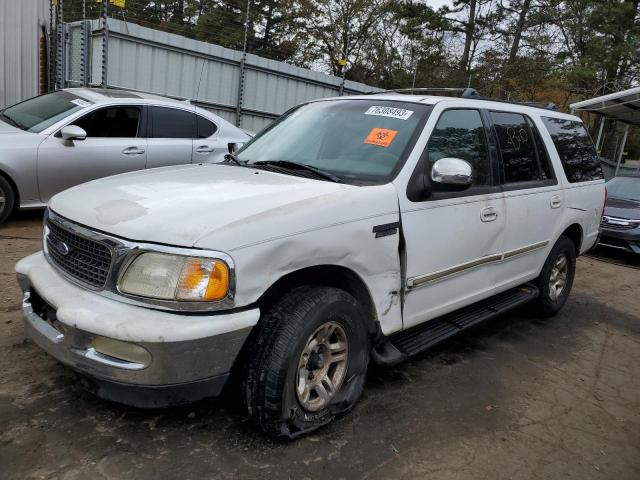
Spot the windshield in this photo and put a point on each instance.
(354, 140)
(624, 187)
(38, 113)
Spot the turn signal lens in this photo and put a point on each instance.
(203, 279)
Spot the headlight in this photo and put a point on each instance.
(176, 277)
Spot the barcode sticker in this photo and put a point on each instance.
(392, 112)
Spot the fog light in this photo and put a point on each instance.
(129, 352)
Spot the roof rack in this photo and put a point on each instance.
(464, 92)
(469, 93)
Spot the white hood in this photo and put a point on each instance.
(6, 128)
(216, 206)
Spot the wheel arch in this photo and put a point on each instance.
(323, 275)
(14, 187)
(575, 234)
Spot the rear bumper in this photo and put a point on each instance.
(151, 367)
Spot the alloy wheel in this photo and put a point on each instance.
(558, 277)
(322, 366)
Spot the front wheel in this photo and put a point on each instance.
(556, 279)
(7, 199)
(307, 361)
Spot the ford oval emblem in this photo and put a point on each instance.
(62, 248)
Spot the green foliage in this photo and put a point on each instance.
(518, 49)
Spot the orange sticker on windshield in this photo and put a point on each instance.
(381, 137)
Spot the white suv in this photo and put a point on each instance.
(351, 229)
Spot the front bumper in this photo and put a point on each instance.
(628, 240)
(179, 358)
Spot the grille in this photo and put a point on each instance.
(613, 226)
(87, 260)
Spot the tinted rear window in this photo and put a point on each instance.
(575, 148)
(173, 123)
(517, 147)
(206, 128)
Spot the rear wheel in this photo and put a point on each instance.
(307, 361)
(556, 279)
(7, 199)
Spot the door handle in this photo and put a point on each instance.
(204, 149)
(133, 151)
(488, 214)
(556, 201)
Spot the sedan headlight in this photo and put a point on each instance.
(176, 277)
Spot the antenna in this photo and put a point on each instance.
(200, 79)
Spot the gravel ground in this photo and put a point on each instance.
(518, 397)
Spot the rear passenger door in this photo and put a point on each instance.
(533, 197)
(171, 131)
(208, 145)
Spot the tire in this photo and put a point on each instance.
(7, 199)
(553, 295)
(273, 373)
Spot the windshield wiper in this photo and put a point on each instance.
(232, 157)
(300, 166)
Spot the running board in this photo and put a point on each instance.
(424, 336)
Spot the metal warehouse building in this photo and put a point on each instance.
(23, 58)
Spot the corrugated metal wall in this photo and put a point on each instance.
(154, 61)
(21, 26)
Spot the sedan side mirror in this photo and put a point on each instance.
(73, 132)
(234, 147)
(453, 172)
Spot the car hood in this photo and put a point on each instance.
(623, 208)
(216, 206)
(5, 128)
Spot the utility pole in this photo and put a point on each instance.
(242, 67)
(105, 43)
(343, 64)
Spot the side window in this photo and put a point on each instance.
(172, 123)
(460, 134)
(206, 128)
(543, 155)
(517, 147)
(120, 122)
(575, 148)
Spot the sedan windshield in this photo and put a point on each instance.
(38, 113)
(360, 141)
(625, 188)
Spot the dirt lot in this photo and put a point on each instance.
(519, 397)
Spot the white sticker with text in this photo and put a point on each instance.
(81, 103)
(393, 112)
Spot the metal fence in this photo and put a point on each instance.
(245, 89)
(609, 169)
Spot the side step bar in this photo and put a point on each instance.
(412, 341)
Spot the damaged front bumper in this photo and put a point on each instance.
(126, 353)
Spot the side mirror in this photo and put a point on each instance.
(73, 132)
(452, 171)
(234, 147)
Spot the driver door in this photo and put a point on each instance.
(453, 237)
(113, 145)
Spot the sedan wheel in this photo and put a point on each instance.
(7, 199)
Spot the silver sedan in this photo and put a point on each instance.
(55, 141)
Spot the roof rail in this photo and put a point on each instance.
(464, 92)
(469, 93)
